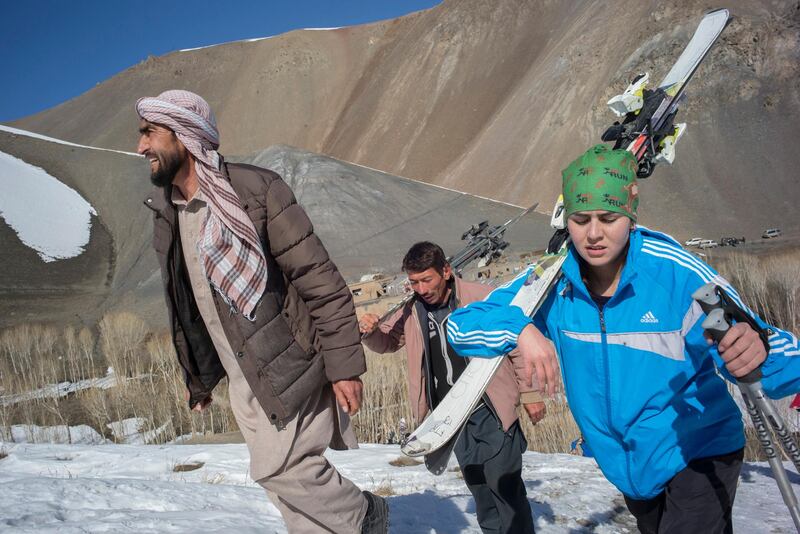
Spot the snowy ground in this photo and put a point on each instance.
(134, 488)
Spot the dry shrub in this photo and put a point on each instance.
(156, 396)
(122, 337)
(79, 360)
(385, 489)
(769, 284)
(404, 461)
(30, 358)
(385, 399)
(555, 432)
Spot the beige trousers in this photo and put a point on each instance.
(288, 462)
(309, 492)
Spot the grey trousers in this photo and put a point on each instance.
(491, 462)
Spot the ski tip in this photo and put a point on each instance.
(723, 11)
(435, 469)
(414, 448)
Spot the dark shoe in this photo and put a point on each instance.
(376, 521)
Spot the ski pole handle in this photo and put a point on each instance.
(718, 323)
(707, 298)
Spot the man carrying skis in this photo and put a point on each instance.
(639, 374)
(252, 295)
(489, 450)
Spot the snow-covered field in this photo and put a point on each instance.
(135, 488)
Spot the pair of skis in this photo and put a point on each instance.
(648, 131)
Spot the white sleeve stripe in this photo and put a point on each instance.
(711, 276)
(675, 242)
(705, 278)
(678, 252)
(452, 329)
(486, 344)
(452, 326)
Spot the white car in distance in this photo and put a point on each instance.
(708, 243)
(693, 242)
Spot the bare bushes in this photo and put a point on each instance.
(555, 432)
(122, 337)
(41, 369)
(150, 386)
(385, 399)
(32, 356)
(770, 285)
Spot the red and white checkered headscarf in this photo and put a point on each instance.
(229, 246)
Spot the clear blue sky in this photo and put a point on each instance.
(54, 50)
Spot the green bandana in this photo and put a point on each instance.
(601, 179)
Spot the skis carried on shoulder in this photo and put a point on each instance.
(647, 130)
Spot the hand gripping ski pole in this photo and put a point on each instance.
(721, 310)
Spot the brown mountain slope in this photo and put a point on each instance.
(494, 98)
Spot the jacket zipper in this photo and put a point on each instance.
(604, 340)
(443, 346)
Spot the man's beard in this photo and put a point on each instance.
(168, 166)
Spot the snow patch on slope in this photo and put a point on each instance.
(34, 135)
(47, 215)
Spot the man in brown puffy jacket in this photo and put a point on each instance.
(490, 447)
(252, 294)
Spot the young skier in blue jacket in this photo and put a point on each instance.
(639, 374)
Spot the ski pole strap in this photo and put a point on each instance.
(722, 312)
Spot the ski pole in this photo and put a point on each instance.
(758, 405)
(711, 297)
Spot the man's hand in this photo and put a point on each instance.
(348, 394)
(200, 406)
(536, 411)
(368, 323)
(539, 356)
(741, 349)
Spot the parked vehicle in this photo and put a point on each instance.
(771, 232)
(731, 241)
(708, 243)
(693, 242)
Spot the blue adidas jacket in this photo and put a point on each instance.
(639, 377)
